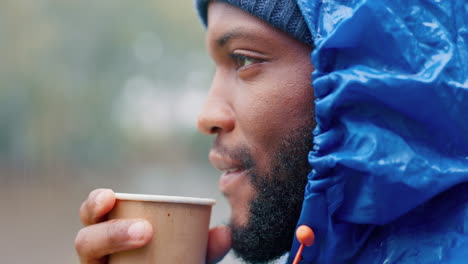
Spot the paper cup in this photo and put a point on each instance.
(180, 226)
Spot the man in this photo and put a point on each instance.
(389, 162)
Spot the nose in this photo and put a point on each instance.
(216, 117)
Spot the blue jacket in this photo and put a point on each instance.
(389, 182)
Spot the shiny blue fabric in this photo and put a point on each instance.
(390, 158)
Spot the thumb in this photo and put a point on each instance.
(219, 244)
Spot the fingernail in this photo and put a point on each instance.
(137, 230)
(100, 198)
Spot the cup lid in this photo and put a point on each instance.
(164, 198)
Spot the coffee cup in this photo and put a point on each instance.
(180, 226)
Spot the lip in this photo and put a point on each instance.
(233, 171)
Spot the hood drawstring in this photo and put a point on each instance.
(305, 235)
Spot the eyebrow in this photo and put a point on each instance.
(228, 36)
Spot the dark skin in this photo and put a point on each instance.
(260, 93)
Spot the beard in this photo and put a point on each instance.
(276, 207)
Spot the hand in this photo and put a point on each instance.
(101, 237)
(219, 244)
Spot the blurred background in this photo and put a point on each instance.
(96, 94)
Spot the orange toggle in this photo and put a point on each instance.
(306, 236)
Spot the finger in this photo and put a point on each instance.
(98, 204)
(219, 243)
(94, 242)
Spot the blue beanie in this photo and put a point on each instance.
(282, 14)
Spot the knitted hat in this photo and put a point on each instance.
(282, 14)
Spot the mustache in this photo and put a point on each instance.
(239, 153)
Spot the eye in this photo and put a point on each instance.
(242, 60)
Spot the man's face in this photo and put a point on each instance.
(260, 107)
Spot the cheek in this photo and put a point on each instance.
(268, 111)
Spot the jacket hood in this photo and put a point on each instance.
(390, 157)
